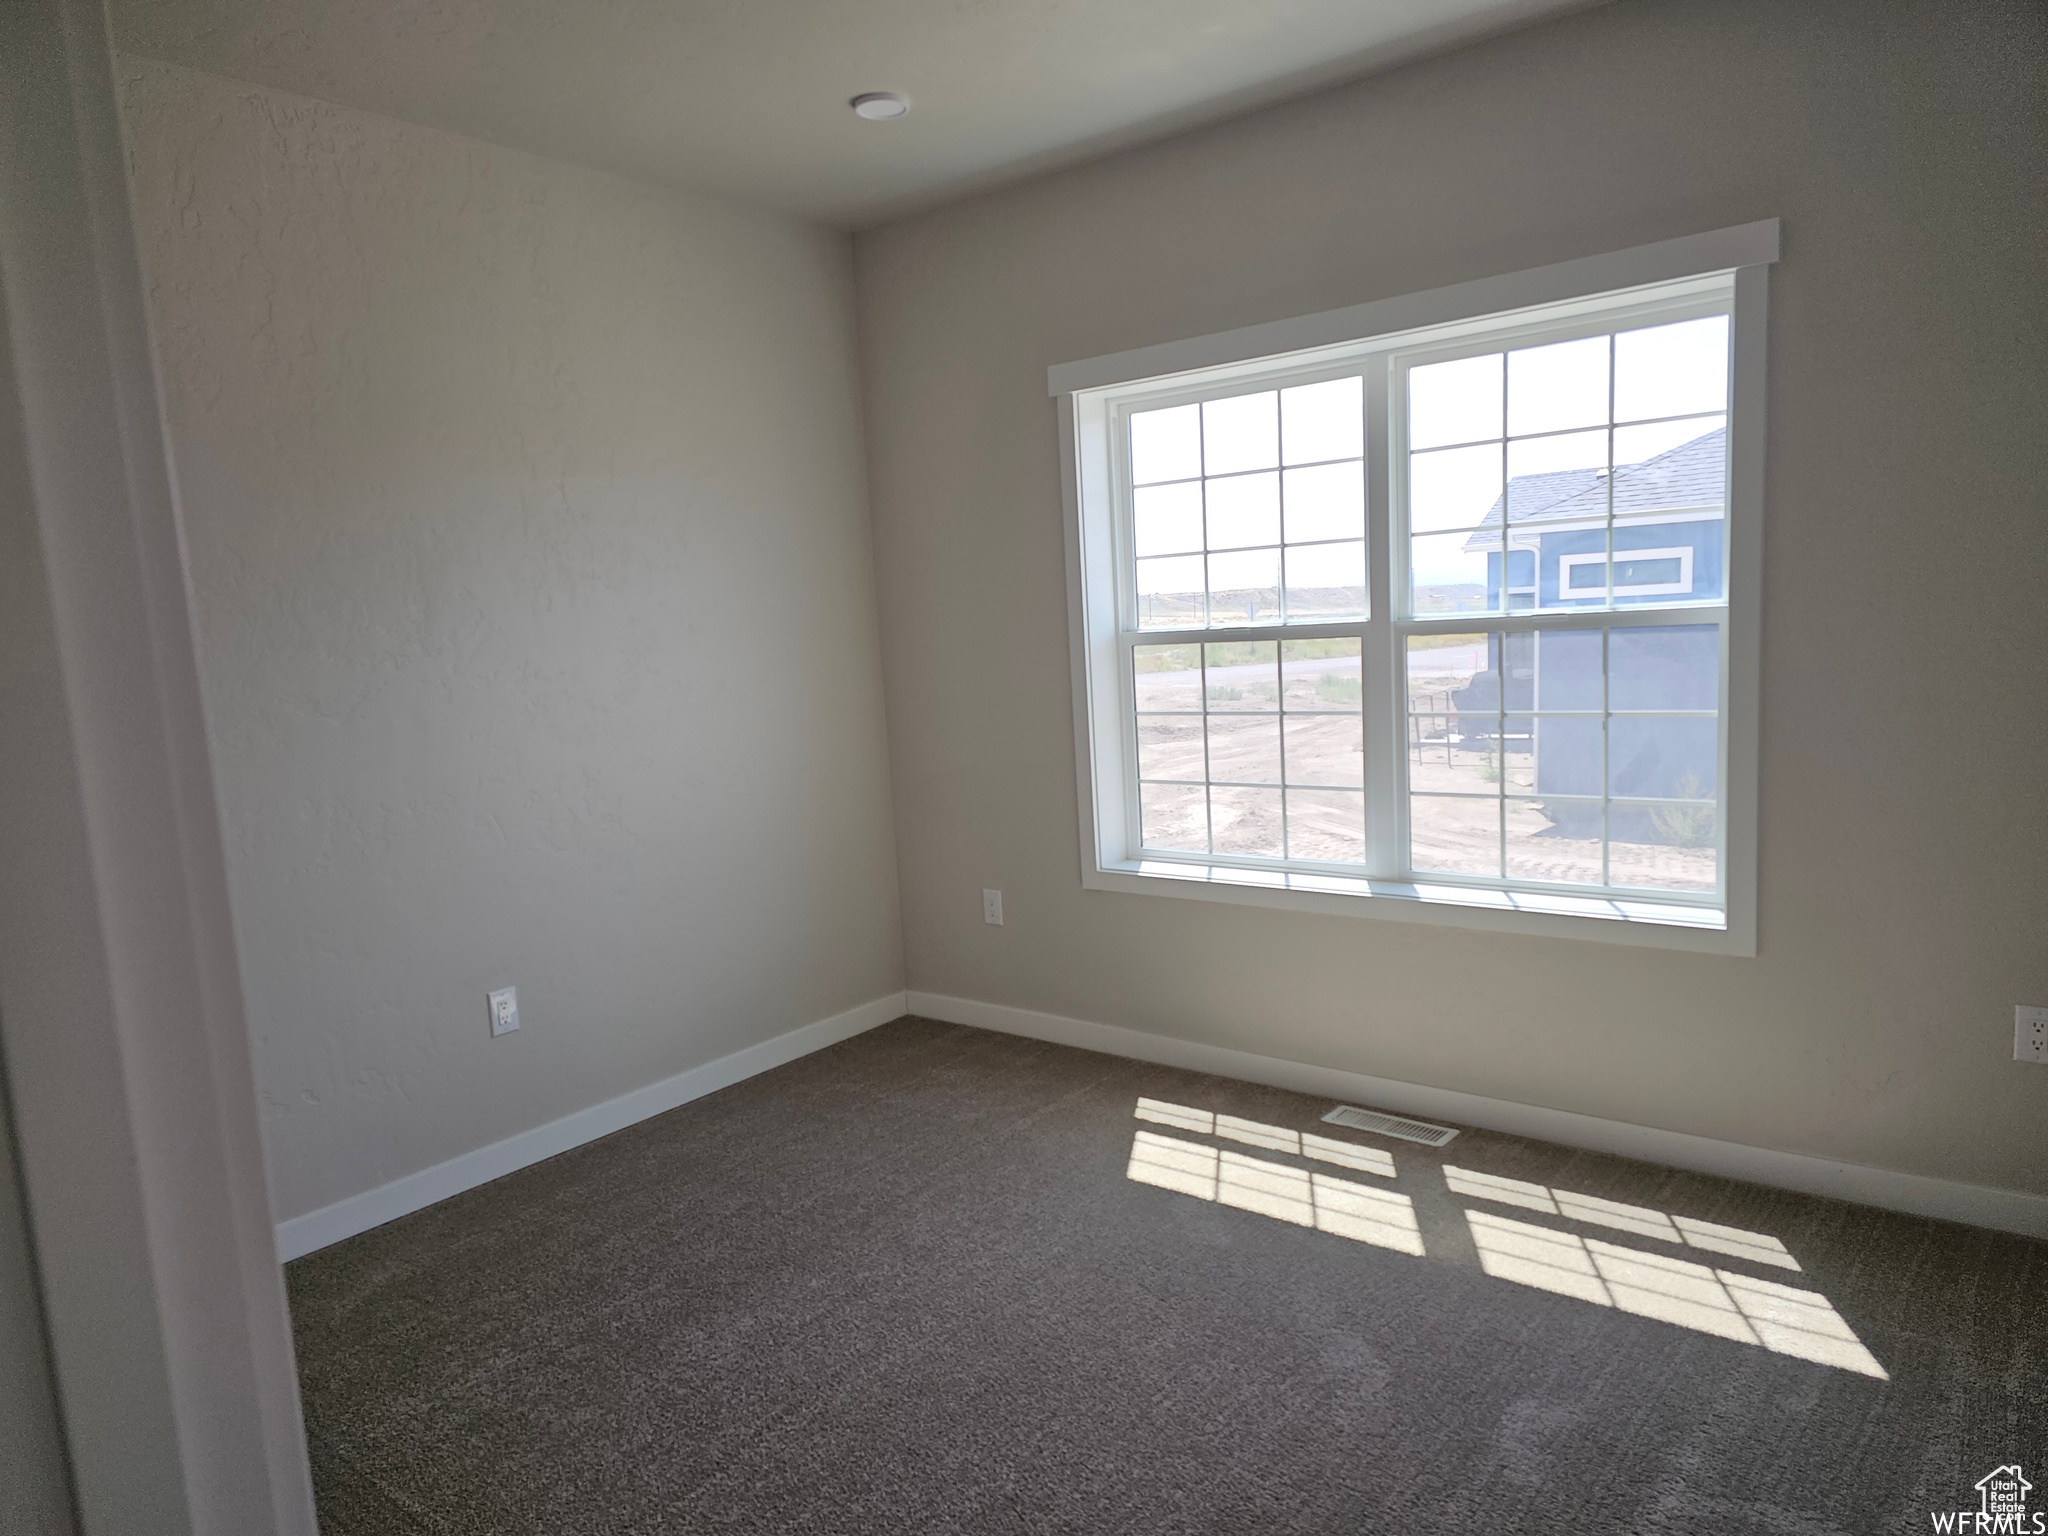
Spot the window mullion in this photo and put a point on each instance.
(1379, 662)
(1208, 768)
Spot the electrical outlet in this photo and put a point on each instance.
(992, 908)
(504, 1010)
(2030, 1034)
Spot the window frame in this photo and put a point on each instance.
(1721, 270)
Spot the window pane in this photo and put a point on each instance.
(1554, 840)
(1172, 816)
(1325, 581)
(1521, 568)
(1568, 669)
(1325, 749)
(1566, 756)
(1658, 501)
(1639, 445)
(1451, 572)
(1454, 837)
(1242, 675)
(1519, 693)
(1671, 370)
(1320, 674)
(1169, 518)
(1244, 588)
(1247, 821)
(1556, 387)
(1327, 825)
(1323, 421)
(1170, 747)
(1167, 676)
(1327, 502)
(1454, 754)
(1552, 770)
(1166, 445)
(1664, 847)
(1432, 744)
(1456, 402)
(1170, 593)
(1438, 663)
(1244, 748)
(1551, 474)
(1243, 510)
(1662, 755)
(1556, 499)
(1515, 761)
(1241, 433)
(1453, 488)
(1665, 667)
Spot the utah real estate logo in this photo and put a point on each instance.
(2003, 1492)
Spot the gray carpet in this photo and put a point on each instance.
(907, 1285)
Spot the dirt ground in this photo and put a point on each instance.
(1290, 739)
(1471, 836)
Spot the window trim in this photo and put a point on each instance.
(1682, 553)
(1732, 261)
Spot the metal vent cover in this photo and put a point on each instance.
(1390, 1125)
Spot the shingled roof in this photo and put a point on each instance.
(1694, 474)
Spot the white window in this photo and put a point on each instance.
(1440, 608)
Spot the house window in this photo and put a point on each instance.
(1636, 573)
(1448, 620)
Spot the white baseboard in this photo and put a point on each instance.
(2004, 1209)
(2008, 1210)
(302, 1235)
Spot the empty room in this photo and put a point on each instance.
(1202, 767)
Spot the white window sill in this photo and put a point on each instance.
(1621, 920)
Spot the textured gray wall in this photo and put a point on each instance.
(526, 524)
(1904, 856)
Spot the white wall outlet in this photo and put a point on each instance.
(2030, 1034)
(504, 1010)
(992, 907)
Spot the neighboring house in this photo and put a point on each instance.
(1669, 513)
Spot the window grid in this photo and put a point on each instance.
(1284, 470)
(1505, 725)
(1296, 785)
(1601, 616)
(1507, 439)
(1503, 604)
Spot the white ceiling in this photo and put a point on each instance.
(747, 98)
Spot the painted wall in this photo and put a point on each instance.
(1904, 856)
(527, 529)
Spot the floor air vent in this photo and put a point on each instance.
(1390, 1125)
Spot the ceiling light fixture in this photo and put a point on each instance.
(881, 106)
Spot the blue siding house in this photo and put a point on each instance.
(1669, 516)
